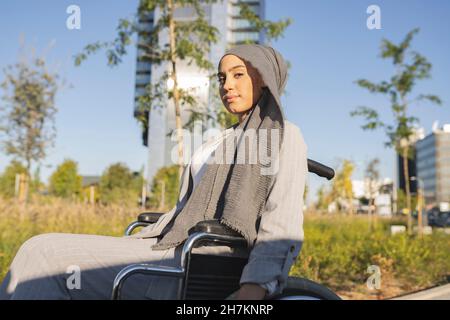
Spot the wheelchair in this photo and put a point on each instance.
(215, 277)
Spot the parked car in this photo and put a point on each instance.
(437, 218)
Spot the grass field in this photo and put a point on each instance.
(337, 251)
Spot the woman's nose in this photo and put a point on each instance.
(229, 84)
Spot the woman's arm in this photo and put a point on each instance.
(280, 233)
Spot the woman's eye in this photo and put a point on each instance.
(221, 79)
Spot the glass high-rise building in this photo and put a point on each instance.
(433, 165)
(224, 15)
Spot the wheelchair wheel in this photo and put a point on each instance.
(304, 289)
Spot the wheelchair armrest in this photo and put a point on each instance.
(149, 217)
(215, 227)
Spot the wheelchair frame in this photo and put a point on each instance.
(181, 272)
(296, 289)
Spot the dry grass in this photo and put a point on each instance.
(18, 222)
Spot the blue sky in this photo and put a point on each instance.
(328, 45)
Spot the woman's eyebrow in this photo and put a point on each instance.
(235, 67)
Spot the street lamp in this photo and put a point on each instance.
(421, 199)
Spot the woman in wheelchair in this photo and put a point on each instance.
(250, 179)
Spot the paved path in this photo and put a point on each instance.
(437, 293)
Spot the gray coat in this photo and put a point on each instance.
(280, 233)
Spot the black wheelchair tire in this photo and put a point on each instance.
(304, 289)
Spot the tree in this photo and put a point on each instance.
(372, 176)
(165, 188)
(119, 184)
(305, 194)
(323, 198)
(400, 131)
(8, 178)
(27, 117)
(342, 188)
(36, 183)
(65, 182)
(402, 202)
(188, 40)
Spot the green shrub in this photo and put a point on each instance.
(65, 182)
(119, 185)
(8, 178)
(167, 177)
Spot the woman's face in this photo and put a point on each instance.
(240, 85)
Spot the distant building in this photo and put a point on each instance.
(224, 15)
(412, 171)
(433, 165)
(384, 201)
(382, 195)
(87, 181)
(359, 189)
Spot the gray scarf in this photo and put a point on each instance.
(235, 192)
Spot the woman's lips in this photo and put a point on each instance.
(231, 99)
